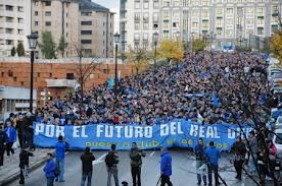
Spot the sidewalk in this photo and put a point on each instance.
(11, 171)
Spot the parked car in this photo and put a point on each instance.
(277, 140)
(278, 123)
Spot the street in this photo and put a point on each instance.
(183, 170)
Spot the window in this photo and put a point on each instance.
(47, 23)
(106, 71)
(67, 14)
(10, 73)
(9, 19)
(230, 10)
(137, 4)
(47, 3)
(137, 26)
(70, 76)
(146, 4)
(9, 42)
(50, 75)
(145, 26)
(20, 20)
(155, 17)
(86, 41)
(22, 83)
(9, 8)
(20, 31)
(9, 30)
(86, 32)
(137, 17)
(36, 13)
(260, 30)
(48, 14)
(86, 13)
(36, 23)
(146, 17)
(86, 22)
(67, 25)
(20, 9)
(36, 3)
(2, 74)
(38, 74)
(15, 78)
(156, 4)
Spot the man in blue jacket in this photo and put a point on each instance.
(12, 135)
(166, 169)
(61, 147)
(213, 155)
(49, 170)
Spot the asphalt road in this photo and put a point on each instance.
(183, 170)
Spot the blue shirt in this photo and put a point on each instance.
(213, 155)
(166, 160)
(49, 169)
(60, 150)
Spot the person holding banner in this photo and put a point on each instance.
(201, 162)
(111, 162)
(136, 161)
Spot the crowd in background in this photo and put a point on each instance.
(215, 87)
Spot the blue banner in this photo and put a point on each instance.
(178, 133)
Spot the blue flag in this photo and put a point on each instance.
(215, 100)
(111, 82)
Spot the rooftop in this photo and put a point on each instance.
(89, 5)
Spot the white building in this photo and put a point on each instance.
(15, 24)
(223, 20)
(14, 100)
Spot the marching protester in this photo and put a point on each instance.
(87, 167)
(20, 127)
(12, 136)
(136, 162)
(239, 150)
(24, 164)
(49, 170)
(61, 147)
(201, 162)
(166, 167)
(3, 141)
(112, 161)
(213, 156)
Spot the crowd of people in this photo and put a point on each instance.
(216, 87)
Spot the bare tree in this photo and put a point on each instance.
(85, 68)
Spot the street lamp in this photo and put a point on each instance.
(116, 37)
(155, 38)
(32, 42)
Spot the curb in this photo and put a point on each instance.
(16, 176)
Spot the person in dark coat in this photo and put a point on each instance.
(239, 150)
(20, 129)
(200, 161)
(3, 141)
(87, 167)
(135, 156)
(24, 164)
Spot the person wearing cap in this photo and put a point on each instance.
(61, 147)
(49, 170)
(87, 167)
(166, 167)
(112, 161)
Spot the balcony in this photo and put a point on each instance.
(62, 83)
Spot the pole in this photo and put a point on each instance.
(155, 55)
(31, 81)
(116, 71)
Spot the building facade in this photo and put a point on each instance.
(86, 26)
(224, 20)
(15, 21)
(56, 78)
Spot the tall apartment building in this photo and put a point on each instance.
(14, 24)
(85, 25)
(223, 20)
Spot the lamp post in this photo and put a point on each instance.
(32, 42)
(116, 37)
(155, 38)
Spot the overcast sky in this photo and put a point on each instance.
(114, 6)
